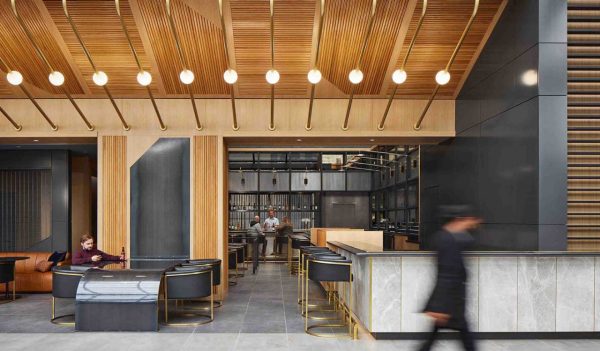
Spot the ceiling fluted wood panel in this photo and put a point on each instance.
(201, 36)
(441, 30)
(293, 29)
(19, 53)
(99, 26)
(201, 43)
(344, 32)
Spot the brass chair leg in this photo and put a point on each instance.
(54, 319)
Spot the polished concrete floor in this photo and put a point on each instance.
(260, 314)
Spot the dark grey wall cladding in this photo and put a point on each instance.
(58, 162)
(160, 200)
(509, 158)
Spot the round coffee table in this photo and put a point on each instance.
(8, 274)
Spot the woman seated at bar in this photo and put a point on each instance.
(285, 229)
(90, 254)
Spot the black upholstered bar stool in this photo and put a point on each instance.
(303, 250)
(189, 283)
(320, 269)
(321, 305)
(295, 242)
(213, 263)
(64, 286)
(241, 255)
(232, 266)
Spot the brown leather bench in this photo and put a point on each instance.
(28, 279)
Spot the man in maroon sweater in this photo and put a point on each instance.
(90, 254)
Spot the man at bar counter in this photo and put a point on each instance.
(90, 254)
(446, 305)
(255, 231)
(271, 223)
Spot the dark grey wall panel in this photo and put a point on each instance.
(334, 181)
(282, 181)
(160, 200)
(236, 185)
(359, 181)
(509, 157)
(313, 182)
(346, 210)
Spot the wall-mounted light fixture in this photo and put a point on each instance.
(274, 177)
(243, 180)
(306, 176)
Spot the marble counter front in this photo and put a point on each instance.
(507, 292)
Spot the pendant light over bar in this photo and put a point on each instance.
(186, 76)
(14, 78)
(143, 77)
(56, 78)
(100, 78)
(399, 76)
(356, 75)
(314, 75)
(443, 76)
(230, 74)
(272, 75)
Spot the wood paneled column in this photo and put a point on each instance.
(112, 185)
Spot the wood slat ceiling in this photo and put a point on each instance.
(201, 36)
(442, 27)
(99, 26)
(20, 54)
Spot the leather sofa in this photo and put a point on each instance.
(28, 279)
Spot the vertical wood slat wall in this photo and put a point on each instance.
(583, 125)
(114, 194)
(206, 162)
(225, 194)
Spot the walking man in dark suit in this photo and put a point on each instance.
(446, 304)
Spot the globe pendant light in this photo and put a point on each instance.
(272, 76)
(230, 76)
(355, 76)
(14, 77)
(100, 78)
(399, 76)
(442, 77)
(186, 76)
(56, 78)
(314, 76)
(144, 78)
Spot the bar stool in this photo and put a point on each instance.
(213, 263)
(302, 251)
(319, 269)
(241, 255)
(232, 266)
(295, 242)
(189, 283)
(64, 286)
(321, 305)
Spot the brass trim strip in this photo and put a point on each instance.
(89, 57)
(359, 62)
(137, 61)
(233, 110)
(39, 52)
(381, 125)
(17, 126)
(182, 61)
(417, 125)
(69, 274)
(272, 121)
(313, 86)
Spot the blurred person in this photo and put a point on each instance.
(446, 305)
(255, 231)
(285, 229)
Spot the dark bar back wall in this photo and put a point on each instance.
(509, 158)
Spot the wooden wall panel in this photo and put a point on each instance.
(583, 101)
(114, 194)
(205, 209)
(225, 213)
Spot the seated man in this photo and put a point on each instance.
(283, 231)
(90, 254)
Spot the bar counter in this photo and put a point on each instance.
(509, 294)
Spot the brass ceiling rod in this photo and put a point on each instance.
(235, 122)
(32, 99)
(16, 125)
(272, 121)
(359, 62)
(13, 3)
(361, 168)
(376, 159)
(89, 57)
(417, 125)
(313, 86)
(182, 61)
(366, 164)
(163, 127)
(381, 125)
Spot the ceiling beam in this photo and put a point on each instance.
(484, 40)
(64, 49)
(148, 52)
(407, 18)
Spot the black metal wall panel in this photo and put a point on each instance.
(508, 159)
(160, 200)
